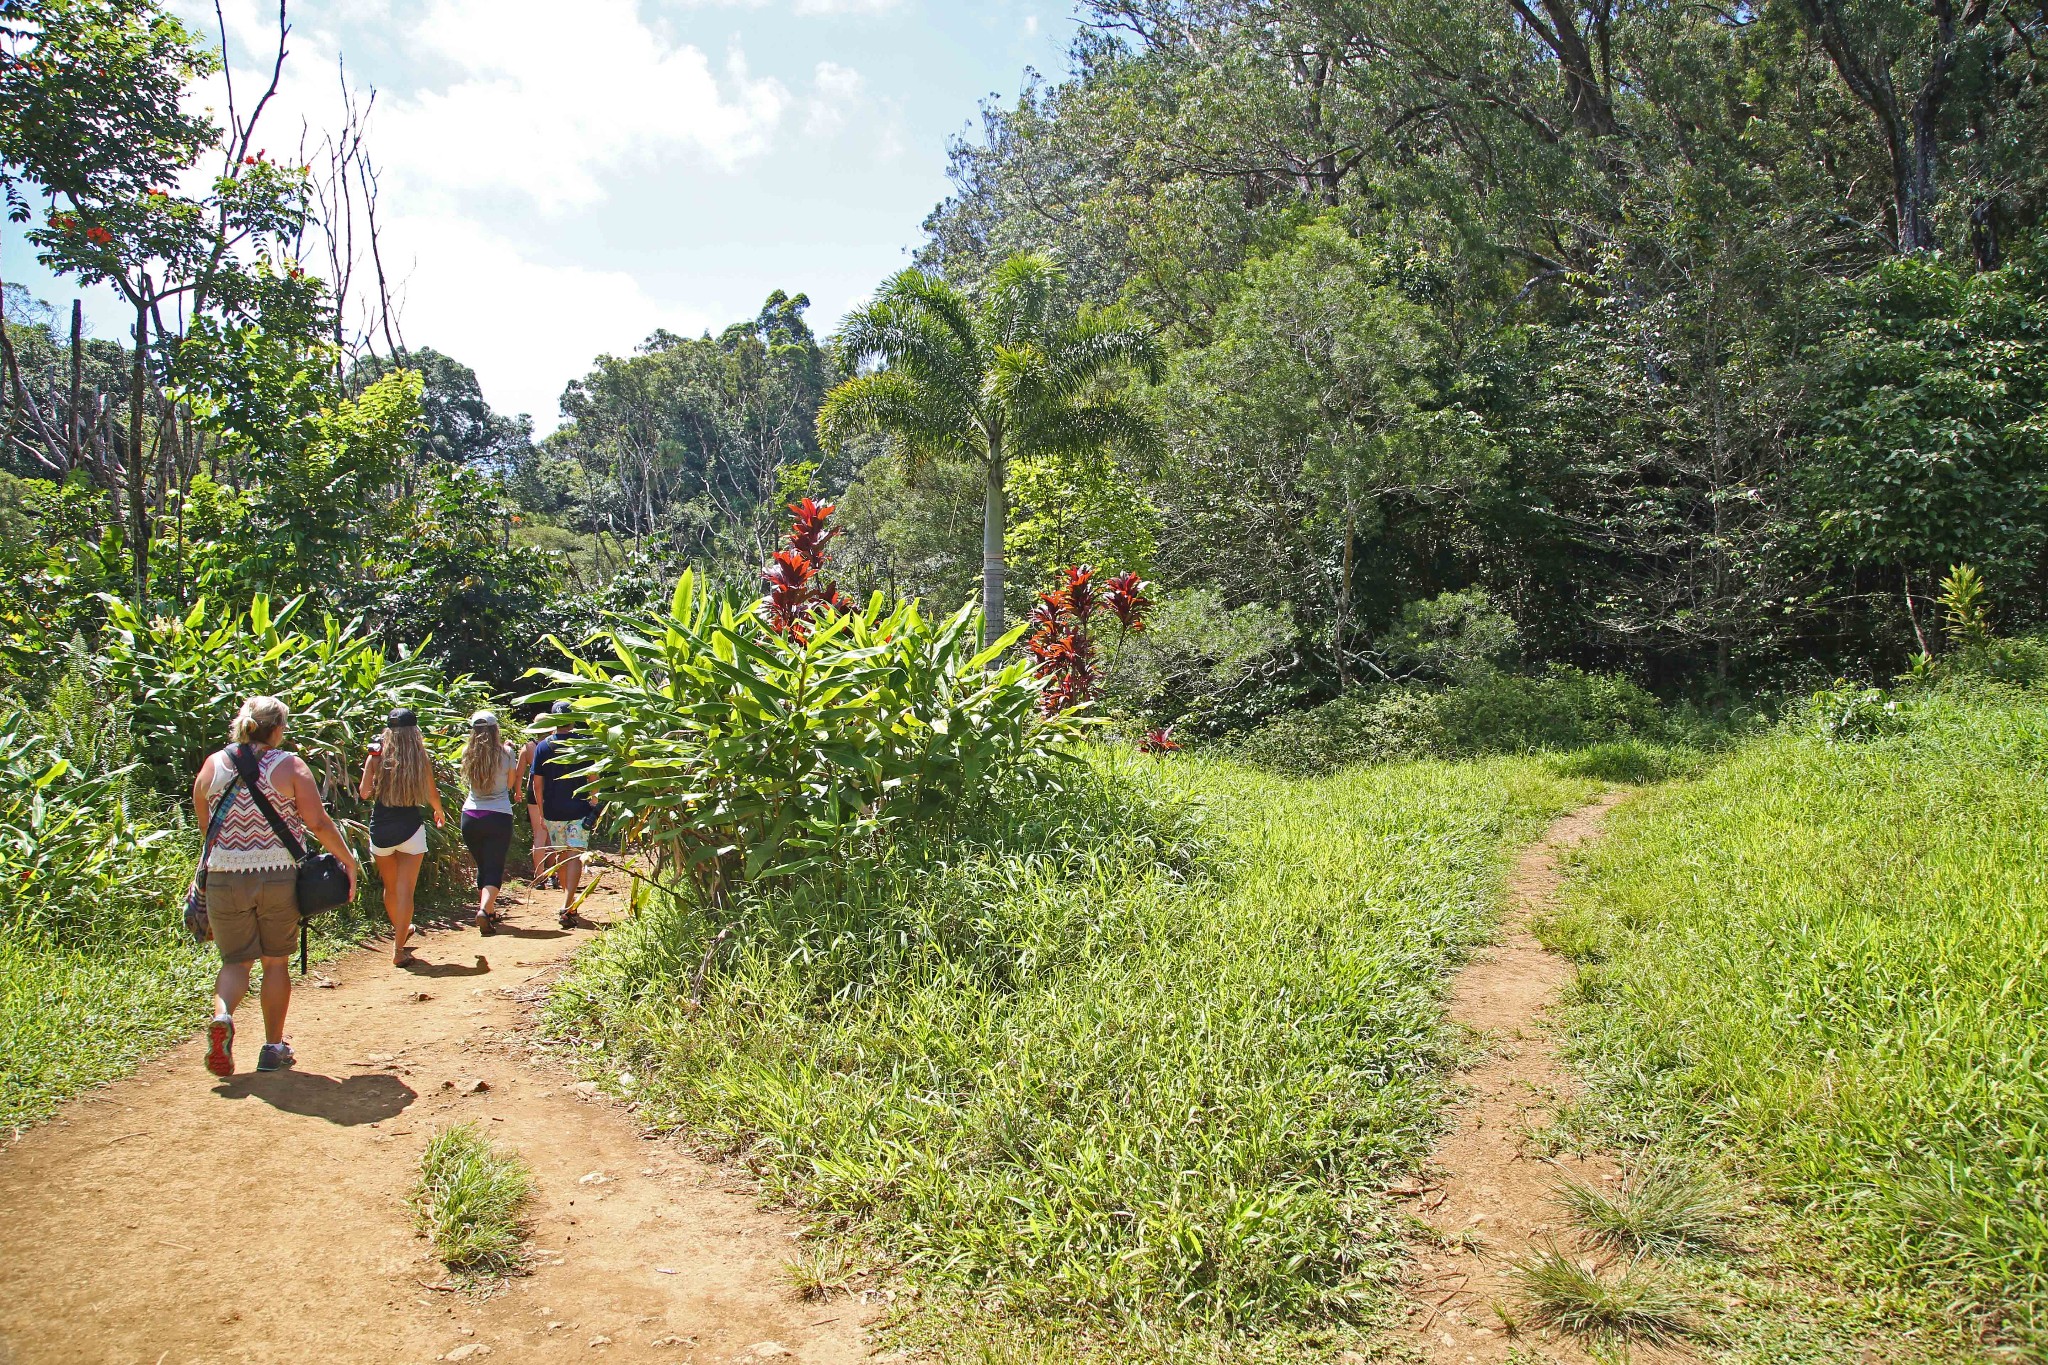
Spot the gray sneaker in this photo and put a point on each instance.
(275, 1057)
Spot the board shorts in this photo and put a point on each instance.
(254, 914)
(415, 843)
(572, 834)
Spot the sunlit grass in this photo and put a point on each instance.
(468, 1198)
(1825, 961)
(1136, 1079)
(1660, 1205)
(1638, 1302)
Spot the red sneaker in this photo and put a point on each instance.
(220, 1046)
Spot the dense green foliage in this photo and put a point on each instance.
(736, 754)
(1563, 709)
(1822, 960)
(1053, 1074)
(1700, 338)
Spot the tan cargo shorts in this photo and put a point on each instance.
(254, 914)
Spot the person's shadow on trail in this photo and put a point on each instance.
(421, 968)
(514, 931)
(359, 1099)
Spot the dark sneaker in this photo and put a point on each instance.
(220, 1046)
(275, 1057)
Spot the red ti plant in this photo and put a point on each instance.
(796, 597)
(1158, 742)
(1125, 598)
(1061, 645)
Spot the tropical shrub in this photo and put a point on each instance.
(1845, 712)
(737, 752)
(1061, 645)
(76, 859)
(186, 676)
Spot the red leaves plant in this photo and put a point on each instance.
(1061, 647)
(795, 598)
(1158, 742)
(1126, 601)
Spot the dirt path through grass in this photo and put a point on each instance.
(1489, 1193)
(173, 1217)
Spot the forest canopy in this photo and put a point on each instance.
(1693, 342)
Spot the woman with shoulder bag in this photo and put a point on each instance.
(487, 764)
(252, 872)
(400, 776)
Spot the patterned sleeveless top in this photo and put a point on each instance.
(246, 842)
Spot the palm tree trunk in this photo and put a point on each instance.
(993, 514)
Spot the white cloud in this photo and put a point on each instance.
(549, 109)
(847, 6)
(836, 92)
(526, 326)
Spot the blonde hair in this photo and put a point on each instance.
(405, 775)
(259, 720)
(486, 762)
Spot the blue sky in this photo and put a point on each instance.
(562, 179)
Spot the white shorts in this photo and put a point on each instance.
(416, 844)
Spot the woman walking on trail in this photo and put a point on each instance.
(487, 764)
(251, 877)
(400, 776)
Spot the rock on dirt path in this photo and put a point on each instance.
(1488, 1195)
(174, 1218)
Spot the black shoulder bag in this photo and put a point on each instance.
(322, 882)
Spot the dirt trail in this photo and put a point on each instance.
(173, 1217)
(1489, 1195)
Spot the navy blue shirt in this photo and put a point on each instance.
(561, 792)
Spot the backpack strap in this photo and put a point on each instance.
(245, 764)
(220, 812)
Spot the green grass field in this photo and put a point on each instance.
(1826, 967)
(1139, 1091)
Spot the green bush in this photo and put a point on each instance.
(76, 860)
(1563, 708)
(738, 754)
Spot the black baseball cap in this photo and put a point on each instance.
(402, 719)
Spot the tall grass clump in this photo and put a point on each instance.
(468, 1199)
(1824, 959)
(1125, 1062)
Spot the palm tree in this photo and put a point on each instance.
(997, 375)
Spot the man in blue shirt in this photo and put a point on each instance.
(563, 809)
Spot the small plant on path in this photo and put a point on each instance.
(1642, 1303)
(468, 1200)
(1659, 1206)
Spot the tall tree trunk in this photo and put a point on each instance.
(994, 513)
(74, 427)
(1344, 596)
(138, 476)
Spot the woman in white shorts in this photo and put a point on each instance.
(400, 776)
